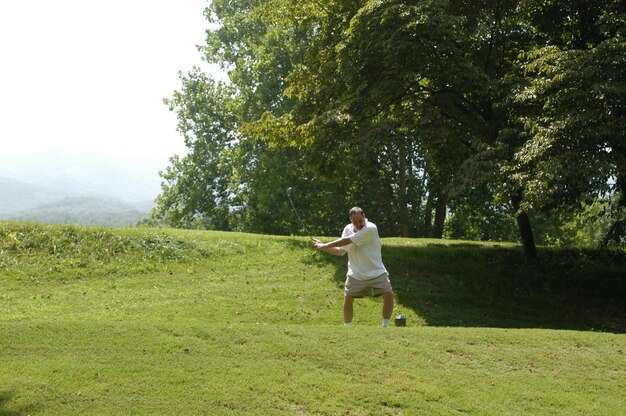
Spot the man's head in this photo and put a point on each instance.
(357, 218)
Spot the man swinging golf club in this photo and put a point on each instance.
(365, 264)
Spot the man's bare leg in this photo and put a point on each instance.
(347, 309)
(387, 305)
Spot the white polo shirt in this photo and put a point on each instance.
(365, 260)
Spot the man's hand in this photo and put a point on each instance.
(332, 247)
(318, 244)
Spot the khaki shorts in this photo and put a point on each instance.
(358, 288)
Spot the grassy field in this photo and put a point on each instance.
(95, 321)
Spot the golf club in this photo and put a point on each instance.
(289, 191)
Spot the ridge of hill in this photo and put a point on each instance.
(128, 178)
(20, 196)
(27, 202)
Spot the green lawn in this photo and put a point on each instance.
(95, 321)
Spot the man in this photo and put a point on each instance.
(365, 264)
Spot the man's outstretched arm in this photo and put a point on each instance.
(333, 247)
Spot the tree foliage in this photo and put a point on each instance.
(417, 110)
(573, 110)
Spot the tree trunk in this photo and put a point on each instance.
(617, 231)
(523, 224)
(440, 215)
(428, 215)
(402, 194)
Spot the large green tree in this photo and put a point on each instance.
(197, 188)
(413, 108)
(573, 108)
(232, 179)
(423, 75)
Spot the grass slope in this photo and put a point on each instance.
(142, 321)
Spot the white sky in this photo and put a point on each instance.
(90, 75)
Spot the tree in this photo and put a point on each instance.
(403, 68)
(197, 191)
(573, 110)
(415, 109)
(233, 179)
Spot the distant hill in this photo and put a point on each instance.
(128, 178)
(84, 210)
(19, 196)
(78, 188)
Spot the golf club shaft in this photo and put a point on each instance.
(298, 215)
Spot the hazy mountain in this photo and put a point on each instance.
(85, 211)
(129, 178)
(80, 188)
(19, 196)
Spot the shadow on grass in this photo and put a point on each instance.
(6, 410)
(490, 286)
